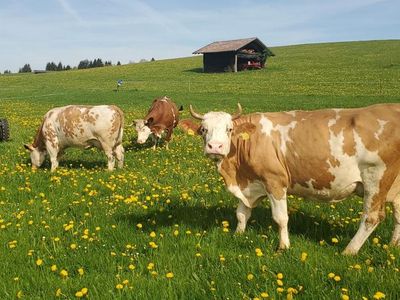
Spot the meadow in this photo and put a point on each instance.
(163, 226)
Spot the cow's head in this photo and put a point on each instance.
(37, 155)
(143, 129)
(216, 129)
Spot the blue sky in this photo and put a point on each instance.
(36, 32)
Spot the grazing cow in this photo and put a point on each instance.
(163, 115)
(324, 155)
(79, 126)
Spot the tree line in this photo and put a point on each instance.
(83, 64)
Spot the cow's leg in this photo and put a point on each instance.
(281, 218)
(155, 140)
(243, 214)
(53, 154)
(110, 156)
(243, 211)
(396, 215)
(119, 154)
(373, 209)
(168, 137)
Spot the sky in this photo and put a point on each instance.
(41, 31)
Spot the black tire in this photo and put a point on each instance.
(4, 130)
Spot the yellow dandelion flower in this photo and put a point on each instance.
(64, 273)
(73, 246)
(139, 225)
(279, 282)
(39, 262)
(375, 240)
(125, 282)
(153, 234)
(250, 276)
(20, 294)
(53, 268)
(264, 295)
(150, 266)
(345, 297)
(259, 253)
(379, 295)
(169, 275)
(81, 271)
(119, 286)
(303, 256)
(79, 294)
(131, 267)
(279, 276)
(84, 291)
(335, 240)
(331, 275)
(337, 278)
(58, 292)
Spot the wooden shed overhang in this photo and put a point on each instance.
(234, 55)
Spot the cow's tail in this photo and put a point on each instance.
(122, 124)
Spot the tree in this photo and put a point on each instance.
(59, 66)
(152, 59)
(118, 63)
(25, 69)
(7, 72)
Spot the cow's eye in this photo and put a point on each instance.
(229, 130)
(203, 130)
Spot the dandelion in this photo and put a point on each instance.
(337, 278)
(152, 234)
(335, 240)
(303, 256)
(379, 295)
(345, 297)
(81, 271)
(79, 294)
(279, 282)
(169, 275)
(150, 266)
(20, 294)
(53, 268)
(39, 262)
(250, 276)
(176, 232)
(264, 295)
(84, 291)
(64, 273)
(259, 253)
(119, 286)
(139, 225)
(331, 275)
(375, 241)
(131, 267)
(279, 276)
(58, 292)
(73, 246)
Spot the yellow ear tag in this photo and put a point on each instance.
(190, 132)
(245, 135)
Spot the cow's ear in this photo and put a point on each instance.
(29, 147)
(149, 121)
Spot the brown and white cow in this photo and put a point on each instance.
(79, 126)
(163, 116)
(324, 154)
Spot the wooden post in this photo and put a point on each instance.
(235, 65)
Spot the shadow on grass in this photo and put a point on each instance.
(195, 70)
(202, 218)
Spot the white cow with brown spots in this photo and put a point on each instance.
(79, 126)
(324, 154)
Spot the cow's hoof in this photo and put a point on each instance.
(349, 252)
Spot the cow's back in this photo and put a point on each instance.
(164, 112)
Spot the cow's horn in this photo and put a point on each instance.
(195, 114)
(238, 112)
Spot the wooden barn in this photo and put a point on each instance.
(234, 55)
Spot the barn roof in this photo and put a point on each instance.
(231, 45)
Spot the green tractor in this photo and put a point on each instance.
(4, 130)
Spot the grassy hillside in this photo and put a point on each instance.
(120, 234)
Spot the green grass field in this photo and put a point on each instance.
(163, 227)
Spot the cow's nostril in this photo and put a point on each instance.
(220, 146)
(209, 146)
